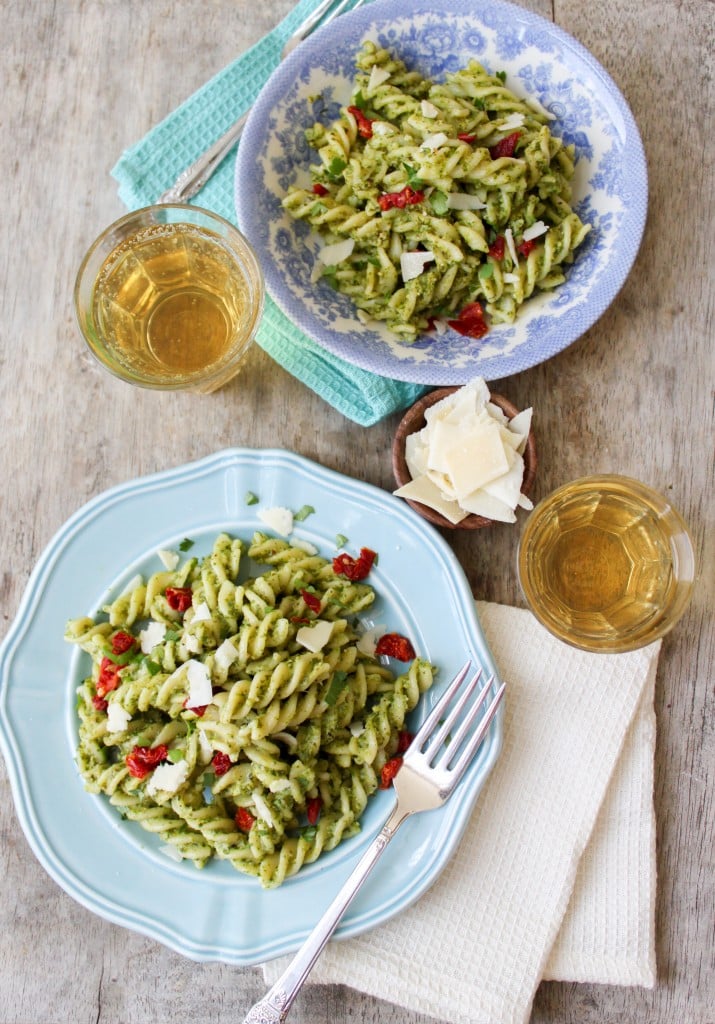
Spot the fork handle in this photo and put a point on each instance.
(193, 178)
(274, 1006)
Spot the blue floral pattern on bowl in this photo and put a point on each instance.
(542, 62)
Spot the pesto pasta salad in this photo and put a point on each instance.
(439, 204)
(248, 721)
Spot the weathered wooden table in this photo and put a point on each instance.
(84, 79)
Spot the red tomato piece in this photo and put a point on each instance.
(244, 819)
(405, 197)
(354, 568)
(389, 771)
(199, 710)
(505, 146)
(403, 741)
(141, 760)
(496, 249)
(179, 598)
(524, 248)
(108, 678)
(312, 600)
(100, 703)
(466, 137)
(364, 124)
(221, 762)
(122, 642)
(395, 646)
(320, 190)
(313, 808)
(470, 322)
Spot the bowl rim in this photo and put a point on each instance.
(414, 419)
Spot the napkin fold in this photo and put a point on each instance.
(555, 875)
(148, 168)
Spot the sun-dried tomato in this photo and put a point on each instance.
(389, 771)
(108, 678)
(505, 146)
(220, 762)
(199, 710)
(470, 321)
(524, 248)
(497, 248)
(179, 598)
(320, 190)
(403, 741)
(122, 642)
(405, 197)
(244, 819)
(141, 760)
(354, 568)
(395, 646)
(100, 703)
(364, 124)
(466, 137)
(312, 600)
(313, 807)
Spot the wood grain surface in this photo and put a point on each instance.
(84, 79)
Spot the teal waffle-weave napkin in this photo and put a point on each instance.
(147, 169)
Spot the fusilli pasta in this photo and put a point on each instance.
(440, 203)
(206, 718)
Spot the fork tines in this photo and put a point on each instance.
(469, 728)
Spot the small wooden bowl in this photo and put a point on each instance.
(414, 420)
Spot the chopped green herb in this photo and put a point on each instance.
(486, 271)
(439, 202)
(172, 634)
(251, 498)
(303, 513)
(359, 100)
(152, 667)
(175, 755)
(501, 75)
(336, 167)
(186, 544)
(341, 540)
(309, 832)
(413, 178)
(337, 685)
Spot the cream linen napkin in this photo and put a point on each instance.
(555, 875)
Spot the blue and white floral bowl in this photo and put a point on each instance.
(435, 37)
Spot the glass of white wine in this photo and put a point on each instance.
(169, 297)
(606, 564)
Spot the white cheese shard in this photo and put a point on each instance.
(206, 751)
(168, 777)
(428, 109)
(535, 231)
(413, 263)
(118, 718)
(464, 201)
(202, 613)
(170, 559)
(226, 654)
(434, 141)
(278, 519)
(378, 76)
(509, 239)
(200, 691)
(151, 635)
(383, 128)
(511, 123)
(337, 252)
(262, 808)
(367, 641)
(315, 637)
(468, 458)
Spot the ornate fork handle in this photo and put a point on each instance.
(274, 1006)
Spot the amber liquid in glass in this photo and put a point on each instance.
(600, 565)
(172, 299)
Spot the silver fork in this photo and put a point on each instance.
(193, 178)
(424, 782)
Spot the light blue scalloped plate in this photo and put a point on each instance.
(435, 37)
(113, 867)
